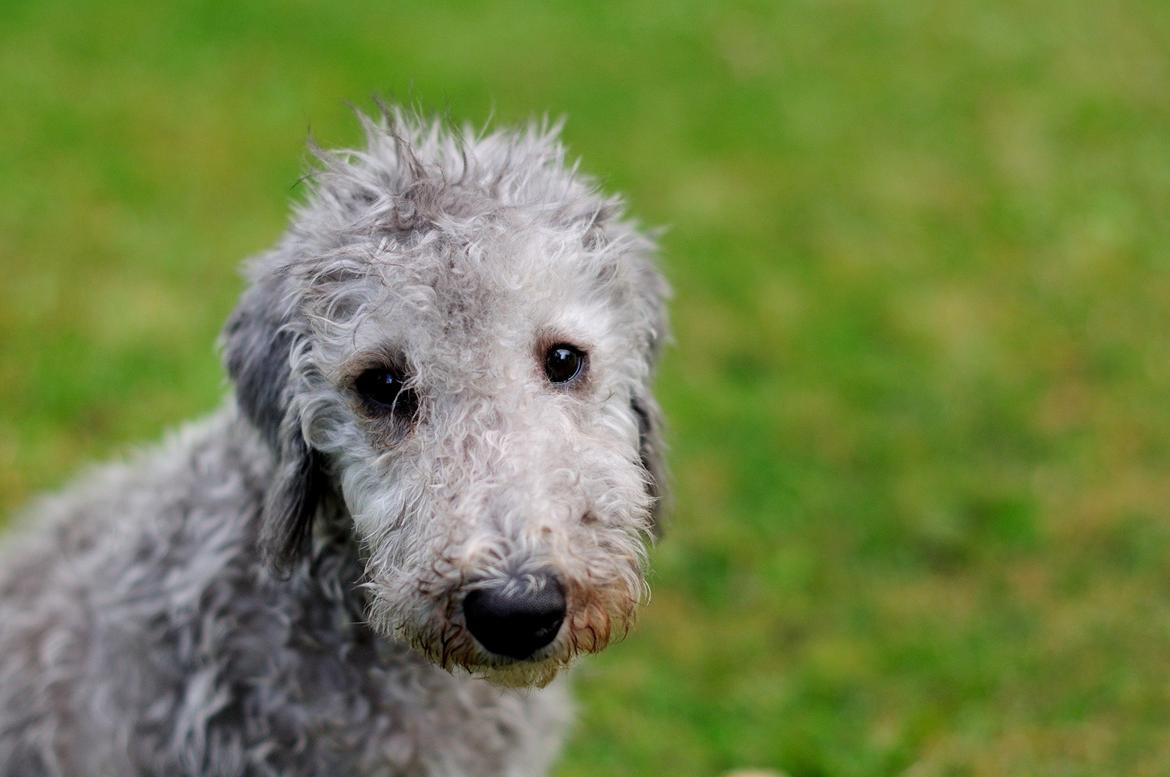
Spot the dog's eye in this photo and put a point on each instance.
(384, 390)
(563, 362)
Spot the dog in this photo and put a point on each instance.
(430, 490)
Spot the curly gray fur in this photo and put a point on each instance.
(276, 589)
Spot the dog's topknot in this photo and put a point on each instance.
(416, 173)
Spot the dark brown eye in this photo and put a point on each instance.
(563, 362)
(384, 391)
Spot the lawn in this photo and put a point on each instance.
(920, 390)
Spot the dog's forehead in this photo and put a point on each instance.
(505, 287)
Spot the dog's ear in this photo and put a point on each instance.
(651, 292)
(258, 346)
(652, 450)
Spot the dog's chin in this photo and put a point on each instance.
(520, 674)
(497, 670)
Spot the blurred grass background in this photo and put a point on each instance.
(920, 396)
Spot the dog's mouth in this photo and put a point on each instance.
(457, 650)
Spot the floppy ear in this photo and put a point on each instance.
(257, 348)
(652, 449)
(652, 292)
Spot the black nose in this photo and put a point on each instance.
(516, 623)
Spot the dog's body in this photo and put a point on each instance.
(409, 505)
(150, 639)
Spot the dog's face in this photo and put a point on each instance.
(457, 337)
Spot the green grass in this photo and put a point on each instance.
(920, 395)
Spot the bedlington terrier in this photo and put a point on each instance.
(431, 490)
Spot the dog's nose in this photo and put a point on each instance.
(516, 623)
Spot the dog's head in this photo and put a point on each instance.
(455, 340)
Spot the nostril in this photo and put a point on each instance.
(516, 623)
